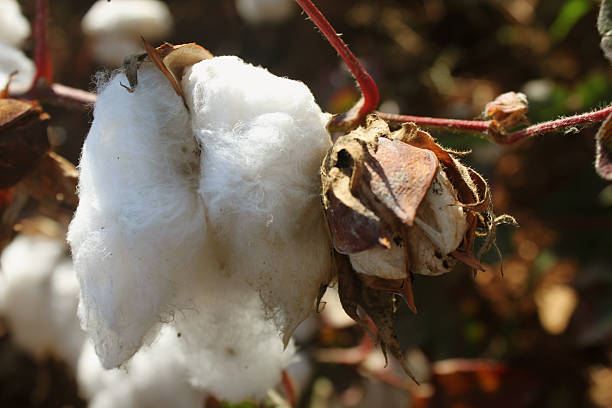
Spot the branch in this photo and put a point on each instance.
(493, 131)
(369, 90)
(42, 57)
(60, 94)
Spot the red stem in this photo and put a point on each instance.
(289, 387)
(42, 57)
(492, 128)
(544, 127)
(365, 81)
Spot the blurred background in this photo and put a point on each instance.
(541, 335)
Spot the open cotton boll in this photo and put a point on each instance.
(40, 298)
(14, 27)
(117, 26)
(14, 60)
(155, 377)
(140, 220)
(265, 11)
(263, 139)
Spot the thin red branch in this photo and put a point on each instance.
(42, 56)
(492, 129)
(551, 126)
(365, 81)
(60, 94)
(289, 388)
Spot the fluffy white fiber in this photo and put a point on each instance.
(39, 298)
(116, 27)
(265, 11)
(14, 27)
(156, 377)
(11, 60)
(207, 220)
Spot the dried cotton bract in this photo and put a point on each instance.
(206, 219)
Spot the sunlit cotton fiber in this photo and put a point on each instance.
(205, 219)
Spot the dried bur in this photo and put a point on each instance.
(28, 169)
(397, 204)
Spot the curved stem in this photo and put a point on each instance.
(365, 81)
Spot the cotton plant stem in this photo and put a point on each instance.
(368, 87)
(289, 388)
(42, 56)
(491, 128)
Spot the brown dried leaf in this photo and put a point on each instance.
(603, 152)
(379, 306)
(23, 139)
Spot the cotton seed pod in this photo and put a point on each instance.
(23, 139)
(199, 208)
(396, 203)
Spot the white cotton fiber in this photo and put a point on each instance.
(233, 351)
(14, 60)
(40, 295)
(14, 27)
(155, 377)
(263, 141)
(140, 219)
(265, 11)
(206, 219)
(116, 27)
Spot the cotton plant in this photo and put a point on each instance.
(219, 200)
(115, 27)
(14, 30)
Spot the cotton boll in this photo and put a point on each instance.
(40, 298)
(14, 60)
(265, 11)
(155, 377)
(263, 141)
(116, 27)
(14, 27)
(140, 220)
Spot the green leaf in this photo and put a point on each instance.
(571, 12)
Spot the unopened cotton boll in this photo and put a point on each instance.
(14, 27)
(207, 219)
(117, 26)
(40, 295)
(14, 60)
(265, 11)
